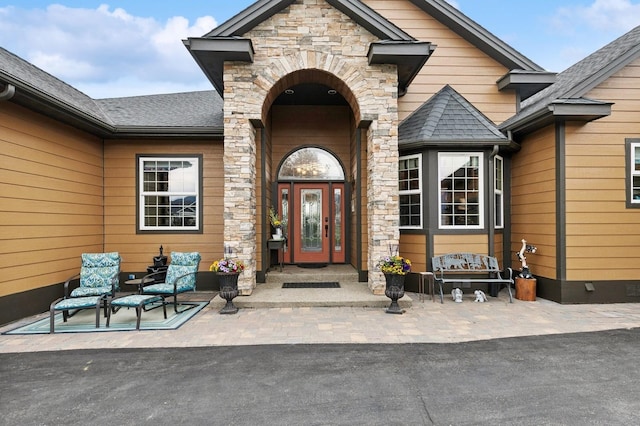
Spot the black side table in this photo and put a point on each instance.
(278, 245)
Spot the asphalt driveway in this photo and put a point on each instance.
(574, 379)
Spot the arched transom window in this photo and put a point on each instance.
(311, 164)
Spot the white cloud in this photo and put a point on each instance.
(578, 31)
(601, 15)
(611, 15)
(106, 52)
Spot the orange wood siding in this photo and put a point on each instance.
(498, 245)
(413, 247)
(137, 250)
(455, 62)
(533, 201)
(327, 127)
(50, 199)
(600, 229)
(472, 243)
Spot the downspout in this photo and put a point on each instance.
(492, 207)
(8, 92)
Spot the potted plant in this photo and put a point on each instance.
(228, 271)
(394, 268)
(277, 223)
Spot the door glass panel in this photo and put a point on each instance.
(337, 225)
(311, 220)
(284, 209)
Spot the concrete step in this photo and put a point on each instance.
(350, 294)
(293, 273)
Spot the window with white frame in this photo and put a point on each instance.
(460, 188)
(634, 168)
(410, 185)
(169, 193)
(498, 191)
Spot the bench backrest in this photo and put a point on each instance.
(464, 262)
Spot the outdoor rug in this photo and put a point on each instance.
(328, 284)
(123, 320)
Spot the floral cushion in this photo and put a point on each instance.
(100, 270)
(181, 264)
(90, 291)
(134, 300)
(76, 303)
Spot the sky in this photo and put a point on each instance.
(115, 48)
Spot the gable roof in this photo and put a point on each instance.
(448, 118)
(225, 42)
(179, 114)
(575, 82)
(477, 35)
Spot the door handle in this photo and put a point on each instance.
(326, 231)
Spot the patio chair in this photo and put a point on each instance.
(99, 276)
(180, 278)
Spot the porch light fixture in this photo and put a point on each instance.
(332, 92)
(289, 92)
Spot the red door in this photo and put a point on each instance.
(316, 223)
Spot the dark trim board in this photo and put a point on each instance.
(21, 305)
(576, 292)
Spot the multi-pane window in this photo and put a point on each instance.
(635, 173)
(410, 182)
(498, 191)
(460, 188)
(169, 193)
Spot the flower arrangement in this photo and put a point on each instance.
(275, 220)
(227, 266)
(395, 264)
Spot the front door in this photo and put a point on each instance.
(316, 223)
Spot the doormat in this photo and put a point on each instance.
(326, 284)
(312, 265)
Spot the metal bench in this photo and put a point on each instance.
(469, 268)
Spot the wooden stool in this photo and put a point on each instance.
(138, 301)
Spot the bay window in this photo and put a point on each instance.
(460, 186)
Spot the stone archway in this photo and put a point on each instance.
(280, 59)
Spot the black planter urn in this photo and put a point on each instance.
(228, 290)
(394, 291)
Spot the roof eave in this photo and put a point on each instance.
(160, 132)
(210, 53)
(410, 57)
(558, 111)
(476, 34)
(527, 83)
(581, 112)
(43, 103)
(373, 22)
(249, 18)
(450, 144)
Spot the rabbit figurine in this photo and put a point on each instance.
(456, 293)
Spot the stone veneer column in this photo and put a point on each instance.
(239, 192)
(382, 193)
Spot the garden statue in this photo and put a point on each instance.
(524, 272)
(456, 293)
(480, 296)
